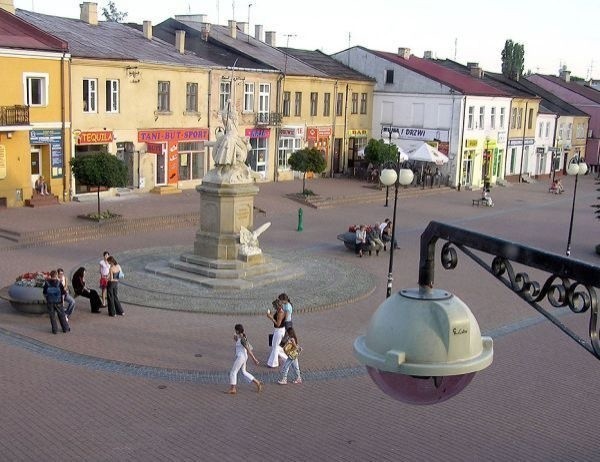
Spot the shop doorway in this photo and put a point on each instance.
(161, 168)
(36, 165)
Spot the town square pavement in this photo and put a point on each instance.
(149, 386)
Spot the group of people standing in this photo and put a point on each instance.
(284, 346)
(374, 238)
(58, 293)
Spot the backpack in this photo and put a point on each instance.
(53, 294)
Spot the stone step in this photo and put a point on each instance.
(37, 200)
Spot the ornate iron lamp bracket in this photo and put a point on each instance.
(571, 283)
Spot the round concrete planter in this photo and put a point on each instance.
(27, 299)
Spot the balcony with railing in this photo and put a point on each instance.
(14, 115)
(269, 118)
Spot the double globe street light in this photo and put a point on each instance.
(576, 167)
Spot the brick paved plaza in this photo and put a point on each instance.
(148, 386)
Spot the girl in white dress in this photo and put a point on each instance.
(243, 349)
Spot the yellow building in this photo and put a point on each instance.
(34, 119)
(521, 136)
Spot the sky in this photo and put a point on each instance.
(554, 33)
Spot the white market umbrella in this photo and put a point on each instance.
(427, 153)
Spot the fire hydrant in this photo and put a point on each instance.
(300, 227)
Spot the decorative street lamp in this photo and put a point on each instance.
(396, 177)
(390, 134)
(576, 167)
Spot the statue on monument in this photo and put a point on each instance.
(230, 151)
(249, 240)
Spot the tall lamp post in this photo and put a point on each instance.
(391, 135)
(576, 167)
(395, 177)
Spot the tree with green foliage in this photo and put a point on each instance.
(307, 160)
(513, 59)
(99, 169)
(112, 14)
(379, 153)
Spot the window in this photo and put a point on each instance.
(502, 117)
(493, 118)
(264, 93)
(540, 129)
(90, 93)
(164, 96)
(286, 147)
(326, 104)
(568, 131)
(191, 97)
(389, 76)
(560, 131)
(470, 116)
(286, 103)
(363, 103)
(530, 119)
(191, 161)
(580, 131)
(249, 97)
(520, 117)
(298, 104)
(513, 120)
(481, 117)
(354, 108)
(547, 129)
(224, 92)
(314, 99)
(339, 104)
(112, 96)
(258, 155)
(35, 89)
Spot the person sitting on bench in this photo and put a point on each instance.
(487, 198)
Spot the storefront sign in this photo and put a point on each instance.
(54, 139)
(154, 148)
(95, 137)
(258, 132)
(470, 143)
(519, 142)
(314, 133)
(291, 132)
(184, 134)
(424, 134)
(501, 137)
(358, 133)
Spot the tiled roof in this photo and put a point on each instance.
(204, 49)
(16, 33)
(110, 40)
(326, 64)
(458, 81)
(585, 91)
(550, 102)
(251, 47)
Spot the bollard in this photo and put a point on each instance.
(300, 227)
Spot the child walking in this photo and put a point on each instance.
(243, 349)
(292, 359)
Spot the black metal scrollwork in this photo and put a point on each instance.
(571, 283)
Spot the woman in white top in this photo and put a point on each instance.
(278, 319)
(242, 351)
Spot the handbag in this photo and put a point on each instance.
(121, 275)
(246, 343)
(291, 350)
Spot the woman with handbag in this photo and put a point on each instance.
(278, 319)
(243, 349)
(292, 349)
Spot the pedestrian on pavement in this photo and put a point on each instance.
(112, 290)
(80, 288)
(69, 300)
(243, 349)
(287, 308)
(104, 270)
(278, 319)
(361, 240)
(292, 356)
(54, 293)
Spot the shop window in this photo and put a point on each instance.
(191, 161)
(35, 89)
(191, 97)
(164, 96)
(258, 154)
(112, 96)
(90, 95)
(286, 147)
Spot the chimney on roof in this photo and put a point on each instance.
(404, 53)
(565, 74)
(205, 31)
(191, 17)
(258, 32)
(243, 26)
(475, 70)
(148, 29)
(271, 38)
(232, 28)
(89, 13)
(7, 5)
(427, 54)
(180, 41)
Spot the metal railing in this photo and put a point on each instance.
(269, 118)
